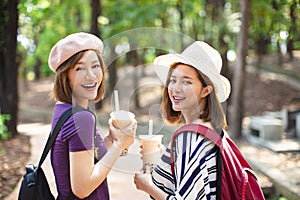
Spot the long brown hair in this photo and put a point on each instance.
(62, 90)
(213, 111)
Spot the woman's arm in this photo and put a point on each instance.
(143, 182)
(108, 140)
(85, 175)
(197, 171)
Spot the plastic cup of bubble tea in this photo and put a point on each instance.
(121, 119)
(151, 145)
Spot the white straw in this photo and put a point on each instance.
(117, 105)
(150, 127)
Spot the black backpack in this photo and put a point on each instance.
(34, 185)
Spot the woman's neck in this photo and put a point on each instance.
(81, 104)
(199, 121)
(191, 116)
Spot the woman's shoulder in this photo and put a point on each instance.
(79, 113)
(194, 128)
(191, 134)
(83, 115)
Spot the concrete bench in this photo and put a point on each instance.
(290, 120)
(265, 127)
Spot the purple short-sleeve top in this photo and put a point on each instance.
(77, 134)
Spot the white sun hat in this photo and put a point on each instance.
(204, 58)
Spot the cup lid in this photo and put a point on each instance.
(122, 114)
(149, 137)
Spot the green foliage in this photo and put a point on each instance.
(44, 22)
(3, 129)
(269, 18)
(282, 198)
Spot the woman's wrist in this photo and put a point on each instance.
(111, 156)
(118, 145)
(108, 141)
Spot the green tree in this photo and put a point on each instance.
(4, 134)
(43, 23)
(8, 64)
(142, 14)
(239, 73)
(293, 27)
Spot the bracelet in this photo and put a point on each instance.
(124, 152)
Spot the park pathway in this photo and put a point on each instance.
(120, 179)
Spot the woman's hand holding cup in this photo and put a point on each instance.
(122, 127)
(123, 138)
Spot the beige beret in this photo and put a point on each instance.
(70, 45)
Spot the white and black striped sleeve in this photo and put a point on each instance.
(195, 169)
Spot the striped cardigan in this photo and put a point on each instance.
(195, 169)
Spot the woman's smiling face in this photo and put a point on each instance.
(186, 90)
(85, 78)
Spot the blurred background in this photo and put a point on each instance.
(259, 42)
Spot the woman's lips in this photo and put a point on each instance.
(177, 99)
(89, 86)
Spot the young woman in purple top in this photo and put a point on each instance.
(80, 158)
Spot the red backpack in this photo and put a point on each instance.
(236, 180)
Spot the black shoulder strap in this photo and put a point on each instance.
(63, 118)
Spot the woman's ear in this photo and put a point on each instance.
(206, 91)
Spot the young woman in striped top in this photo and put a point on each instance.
(193, 95)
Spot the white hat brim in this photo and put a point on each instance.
(162, 65)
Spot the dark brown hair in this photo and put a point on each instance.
(62, 90)
(213, 111)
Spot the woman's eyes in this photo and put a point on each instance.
(172, 81)
(186, 82)
(96, 66)
(79, 68)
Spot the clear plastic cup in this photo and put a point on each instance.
(121, 119)
(151, 145)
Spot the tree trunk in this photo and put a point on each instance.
(292, 30)
(135, 62)
(279, 55)
(181, 20)
(239, 73)
(261, 47)
(37, 70)
(112, 69)
(96, 12)
(3, 22)
(217, 13)
(9, 67)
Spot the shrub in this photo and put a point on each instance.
(3, 128)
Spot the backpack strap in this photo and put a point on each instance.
(63, 118)
(203, 130)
